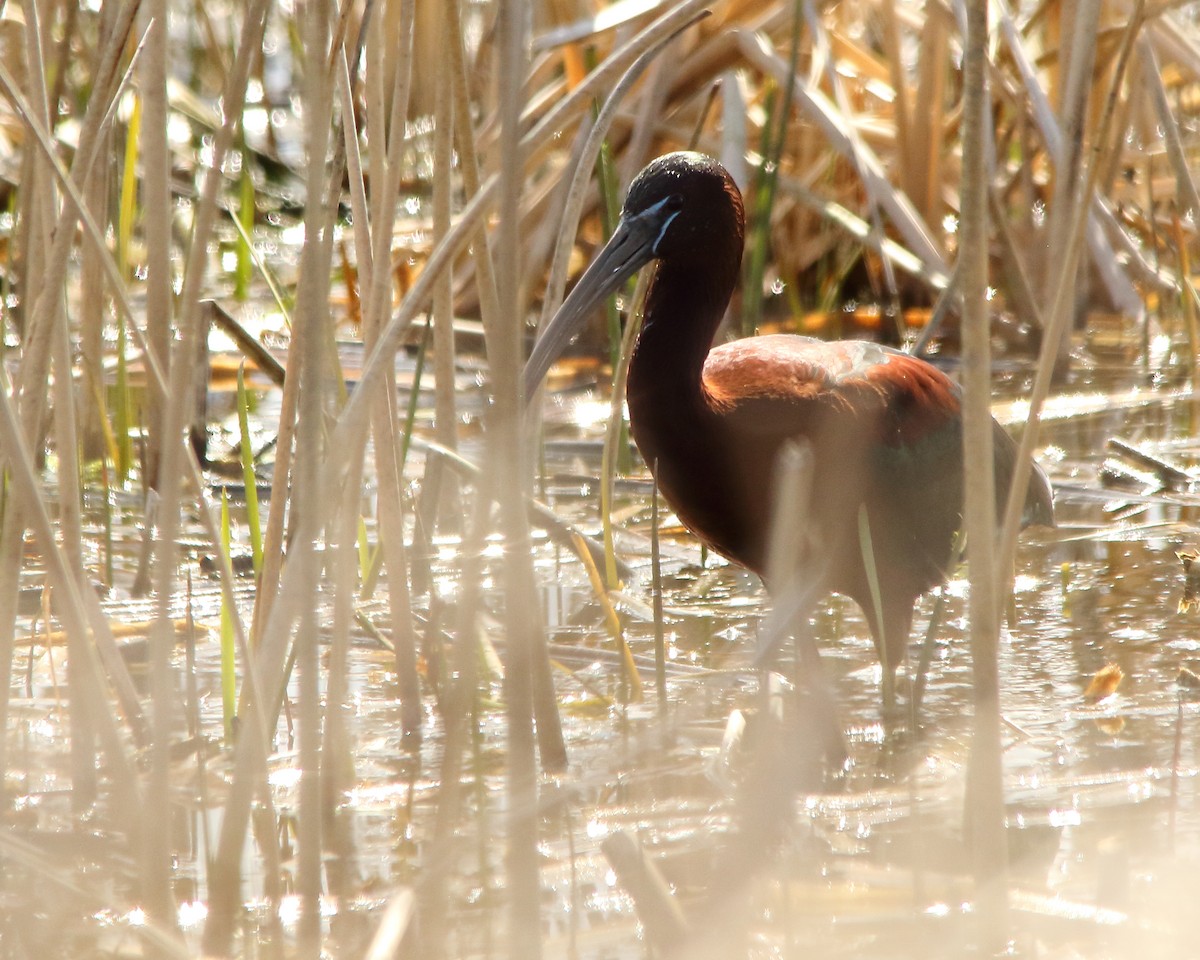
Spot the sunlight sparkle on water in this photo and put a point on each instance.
(1132, 633)
(1141, 790)
(290, 906)
(1018, 410)
(596, 829)
(590, 411)
(192, 914)
(1065, 818)
(285, 777)
(378, 794)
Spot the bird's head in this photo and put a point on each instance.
(681, 206)
(684, 203)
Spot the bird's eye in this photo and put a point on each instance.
(673, 202)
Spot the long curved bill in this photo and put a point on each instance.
(629, 249)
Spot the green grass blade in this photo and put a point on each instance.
(248, 477)
(127, 215)
(244, 268)
(228, 671)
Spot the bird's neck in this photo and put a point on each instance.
(671, 414)
(684, 306)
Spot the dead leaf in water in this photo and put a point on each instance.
(1188, 682)
(1191, 579)
(1104, 683)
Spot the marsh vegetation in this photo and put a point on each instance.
(315, 644)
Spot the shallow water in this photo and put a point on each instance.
(1100, 797)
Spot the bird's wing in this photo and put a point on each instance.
(894, 397)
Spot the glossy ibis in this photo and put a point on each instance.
(885, 428)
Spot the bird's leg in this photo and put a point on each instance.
(888, 684)
(891, 632)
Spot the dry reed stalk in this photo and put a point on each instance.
(899, 81)
(258, 715)
(92, 232)
(735, 137)
(337, 755)
(92, 308)
(156, 210)
(984, 813)
(75, 608)
(457, 704)
(651, 106)
(156, 203)
(32, 857)
(504, 447)
(459, 692)
(923, 170)
(797, 572)
(310, 362)
(546, 232)
(1116, 283)
(47, 310)
(659, 912)
(45, 324)
(1152, 79)
(582, 171)
(387, 115)
(445, 407)
(821, 42)
(70, 529)
(1058, 317)
(758, 51)
(389, 935)
(471, 217)
(485, 281)
(356, 180)
(1019, 289)
(1072, 113)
